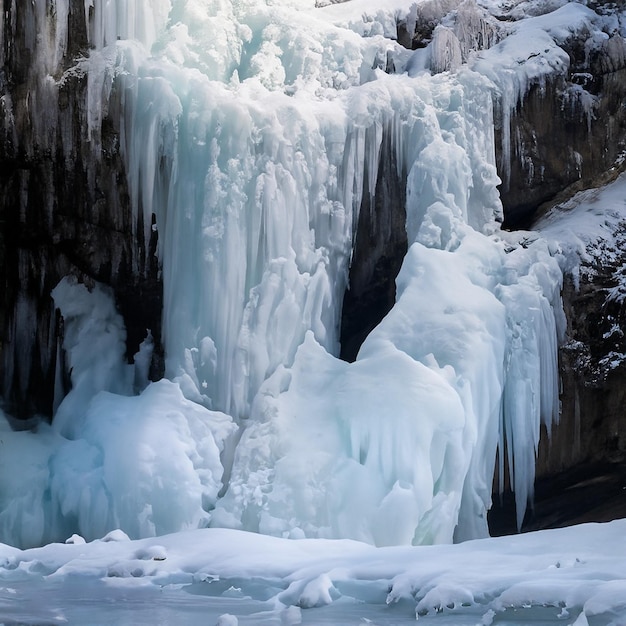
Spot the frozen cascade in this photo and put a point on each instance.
(248, 130)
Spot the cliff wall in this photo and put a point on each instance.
(64, 203)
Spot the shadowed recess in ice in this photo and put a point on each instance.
(252, 132)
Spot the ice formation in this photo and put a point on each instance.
(149, 464)
(252, 131)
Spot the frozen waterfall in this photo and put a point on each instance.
(252, 131)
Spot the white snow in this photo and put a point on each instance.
(568, 576)
(587, 227)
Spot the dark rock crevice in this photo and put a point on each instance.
(587, 492)
(380, 247)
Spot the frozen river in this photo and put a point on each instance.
(90, 601)
(574, 576)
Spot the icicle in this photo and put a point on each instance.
(446, 52)
(61, 31)
(475, 28)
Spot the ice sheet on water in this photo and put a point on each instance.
(568, 576)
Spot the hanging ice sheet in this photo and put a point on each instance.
(249, 130)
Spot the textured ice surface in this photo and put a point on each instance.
(149, 464)
(252, 131)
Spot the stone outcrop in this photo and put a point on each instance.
(565, 133)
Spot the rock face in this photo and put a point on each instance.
(567, 132)
(581, 472)
(64, 207)
(593, 366)
(567, 136)
(593, 375)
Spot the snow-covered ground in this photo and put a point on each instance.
(216, 576)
